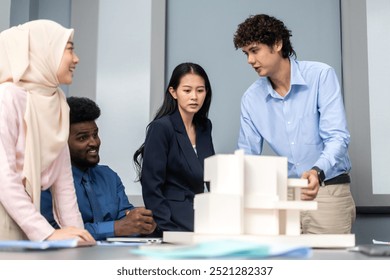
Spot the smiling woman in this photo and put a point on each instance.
(35, 58)
(67, 65)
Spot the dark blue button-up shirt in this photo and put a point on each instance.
(110, 194)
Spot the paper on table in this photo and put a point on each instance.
(118, 243)
(380, 242)
(223, 249)
(37, 245)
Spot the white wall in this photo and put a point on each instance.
(365, 25)
(5, 9)
(123, 82)
(378, 47)
(85, 21)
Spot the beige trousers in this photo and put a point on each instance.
(9, 230)
(335, 214)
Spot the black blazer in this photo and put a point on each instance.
(172, 173)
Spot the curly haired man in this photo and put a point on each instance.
(297, 108)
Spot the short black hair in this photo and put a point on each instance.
(82, 109)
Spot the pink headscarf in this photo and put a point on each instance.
(30, 55)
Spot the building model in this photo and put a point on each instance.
(251, 198)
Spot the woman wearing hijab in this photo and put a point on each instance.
(35, 58)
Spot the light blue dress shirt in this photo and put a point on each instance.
(308, 125)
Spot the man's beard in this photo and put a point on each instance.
(83, 163)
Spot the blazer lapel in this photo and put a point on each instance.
(185, 145)
(202, 144)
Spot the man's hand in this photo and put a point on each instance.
(313, 185)
(137, 221)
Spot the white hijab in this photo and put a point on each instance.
(30, 55)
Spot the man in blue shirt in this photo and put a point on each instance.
(101, 196)
(297, 108)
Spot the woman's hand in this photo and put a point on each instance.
(72, 232)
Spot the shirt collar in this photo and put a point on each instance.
(78, 174)
(296, 79)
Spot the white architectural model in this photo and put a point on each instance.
(251, 197)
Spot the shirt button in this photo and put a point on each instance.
(292, 143)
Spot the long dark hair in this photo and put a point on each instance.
(169, 104)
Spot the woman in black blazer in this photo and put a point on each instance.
(170, 162)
